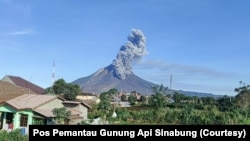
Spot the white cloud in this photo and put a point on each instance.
(21, 32)
(186, 77)
(180, 68)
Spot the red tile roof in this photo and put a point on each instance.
(24, 83)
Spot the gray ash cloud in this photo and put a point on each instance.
(133, 49)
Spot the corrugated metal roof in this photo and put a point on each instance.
(71, 102)
(77, 102)
(49, 112)
(74, 111)
(45, 112)
(6, 97)
(75, 117)
(30, 101)
(8, 88)
(24, 83)
(85, 104)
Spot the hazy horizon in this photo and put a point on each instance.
(203, 45)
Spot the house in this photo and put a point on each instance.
(23, 110)
(8, 88)
(18, 81)
(79, 111)
(89, 98)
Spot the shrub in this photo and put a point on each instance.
(15, 135)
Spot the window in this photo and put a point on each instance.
(23, 120)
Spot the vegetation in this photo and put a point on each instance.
(68, 90)
(158, 108)
(15, 135)
(61, 114)
(104, 107)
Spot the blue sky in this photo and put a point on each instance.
(203, 44)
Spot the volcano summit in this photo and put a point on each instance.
(119, 73)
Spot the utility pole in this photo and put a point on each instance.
(53, 73)
(53, 77)
(170, 84)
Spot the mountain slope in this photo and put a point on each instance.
(119, 73)
(105, 79)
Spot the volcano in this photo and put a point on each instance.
(119, 73)
(105, 79)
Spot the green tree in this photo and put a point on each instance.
(105, 106)
(59, 86)
(159, 99)
(178, 97)
(132, 99)
(61, 114)
(156, 101)
(112, 91)
(143, 99)
(226, 103)
(243, 96)
(160, 89)
(124, 98)
(69, 90)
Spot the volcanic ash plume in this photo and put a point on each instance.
(133, 49)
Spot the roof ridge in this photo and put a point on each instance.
(26, 80)
(22, 82)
